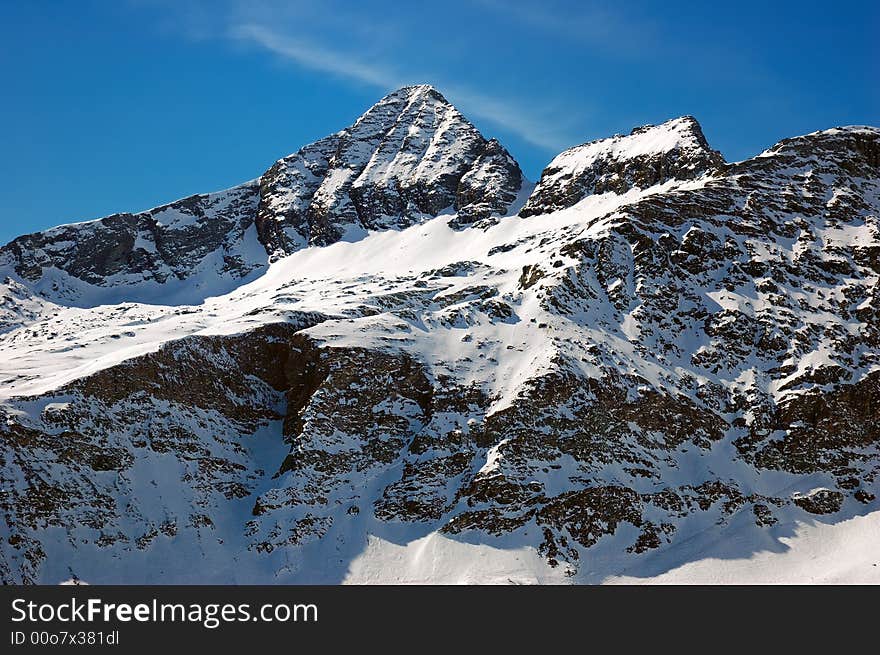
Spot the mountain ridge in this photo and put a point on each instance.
(631, 379)
(231, 256)
(403, 160)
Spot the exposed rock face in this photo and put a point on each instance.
(651, 366)
(286, 192)
(206, 235)
(494, 171)
(408, 158)
(83, 474)
(675, 150)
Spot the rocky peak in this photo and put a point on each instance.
(852, 150)
(649, 155)
(408, 158)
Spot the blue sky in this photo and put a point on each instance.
(119, 106)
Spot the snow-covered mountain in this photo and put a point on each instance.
(391, 359)
(411, 157)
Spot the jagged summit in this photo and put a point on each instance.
(857, 144)
(399, 163)
(648, 155)
(414, 92)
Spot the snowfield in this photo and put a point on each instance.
(845, 553)
(74, 342)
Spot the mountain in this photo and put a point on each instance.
(649, 155)
(409, 158)
(391, 360)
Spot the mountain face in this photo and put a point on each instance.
(176, 248)
(664, 359)
(675, 150)
(407, 159)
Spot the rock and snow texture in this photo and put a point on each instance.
(668, 367)
(409, 158)
(189, 249)
(649, 155)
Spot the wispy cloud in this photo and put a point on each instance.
(541, 130)
(315, 57)
(346, 41)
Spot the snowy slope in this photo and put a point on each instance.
(663, 368)
(814, 553)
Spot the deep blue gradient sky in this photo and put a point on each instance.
(122, 105)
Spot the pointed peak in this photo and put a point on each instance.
(684, 131)
(413, 92)
(410, 156)
(407, 100)
(418, 88)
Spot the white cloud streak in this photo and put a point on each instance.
(542, 131)
(314, 57)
